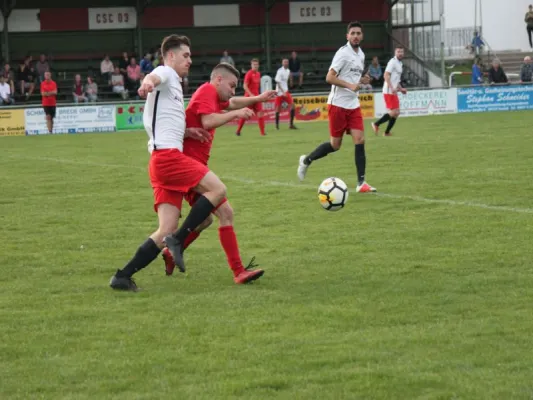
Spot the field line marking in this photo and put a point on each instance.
(419, 199)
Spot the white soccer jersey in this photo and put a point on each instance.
(164, 112)
(395, 68)
(349, 66)
(282, 79)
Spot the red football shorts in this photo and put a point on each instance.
(392, 101)
(191, 197)
(257, 107)
(341, 120)
(172, 174)
(287, 98)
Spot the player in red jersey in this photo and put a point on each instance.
(49, 93)
(252, 86)
(205, 111)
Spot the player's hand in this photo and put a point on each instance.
(365, 80)
(146, 87)
(354, 87)
(245, 113)
(403, 90)
(268, 95)
(394, 91)
(197, 134)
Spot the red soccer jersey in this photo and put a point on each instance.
(253, 80)
(204, 101)
(49, 86)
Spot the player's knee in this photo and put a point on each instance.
(225, 215)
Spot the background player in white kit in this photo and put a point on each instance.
(282, 86)
(344, 109)
(391, 87)
(171, 172)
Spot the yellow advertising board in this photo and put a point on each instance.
(12, 123)
(315, 108)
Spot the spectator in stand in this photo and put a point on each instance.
(49, 101)
(9, 76)
(526, 72)
(134, 75)
(124, 63)
(91, 90)
(157, 59)
(78, 93)
(146, 64)
(529, 24)
(497, 74)
(117, 83)
(477, 44)
(296, 70)
(375, 72)
(477, 75)
(26, 78)
(226, 58)
(106, 68)
(6, 96)
(42, 66)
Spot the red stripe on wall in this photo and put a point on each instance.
(167, 17)
(364, 10)
(64, 19)
(254, 14)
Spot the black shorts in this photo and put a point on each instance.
(50, 110)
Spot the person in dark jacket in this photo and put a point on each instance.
(497, 74)
(526, 72)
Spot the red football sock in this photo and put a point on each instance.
(261, 122)
(191, 237)
(241, 124)
(228, 240)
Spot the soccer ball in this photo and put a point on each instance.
(333, 194)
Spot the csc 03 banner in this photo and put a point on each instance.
(495, 98)
(80, 119)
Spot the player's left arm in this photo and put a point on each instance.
(239, 102)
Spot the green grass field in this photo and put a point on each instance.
(422, 291)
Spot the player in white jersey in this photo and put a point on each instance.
(283, 95)
(391, 87)
(172, 174)
(344, 110)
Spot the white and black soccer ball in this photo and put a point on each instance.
(333, 194)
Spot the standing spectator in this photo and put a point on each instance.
(375, 72)
(49, 93)
(477, 75)
(226, 58)
(117, 83)
(91, 89)
(496, 73)
(26, 78)
(42, 66)
(106, 68)
(134, 75)
(7, 73)
(6, 96)
(526, 72)
(529, 24)
(146, 64)
(77, 90)
(296, 70)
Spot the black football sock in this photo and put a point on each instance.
(383, 119)
(292, 116)
(360, 162)
(321, 151)
(277, 119)
(199, 212)
(146, 253)
(392, 121)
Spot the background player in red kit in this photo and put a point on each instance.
(204, 111)
(49, 93)
(252, 87)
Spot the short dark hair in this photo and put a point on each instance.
(172, 42)
(354, 24)
(255, 60)
(398, 47)
(227, 68)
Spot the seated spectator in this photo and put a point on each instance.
(134, 75)
(157, 59)
(296, 70)
(91, 90)
(9, 76)
(117, 84)
(477, 44)
(6, 96)
(26, 78)
(78, 93)
(42, 66)
(106, 68)
(226, 58)
(375, 72)
(124, 63)
(496, 73)
(526, 72)
(477, 74)
(146, 64)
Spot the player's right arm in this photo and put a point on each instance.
(155, 78)
(215, 120)
(339, 62)
(387, 77)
